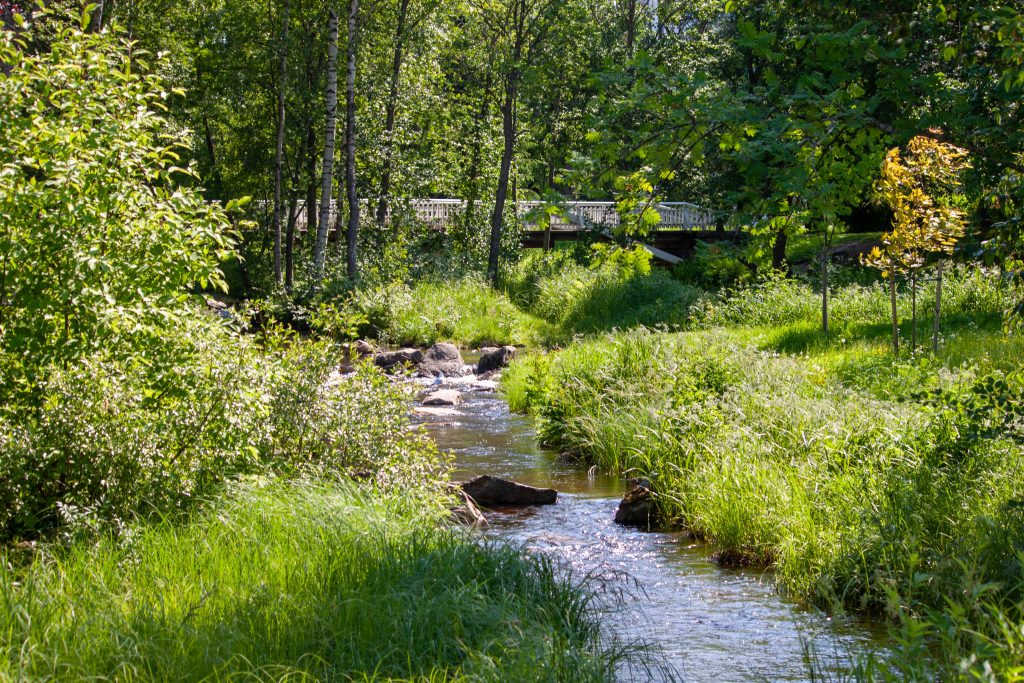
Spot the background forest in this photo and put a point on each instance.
(774, 115)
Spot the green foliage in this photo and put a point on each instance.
(304, 581)
(614, 291)
(115, 437)
(337, 322)
(465, 311)
(713, 265)
(972, 296)
(100, 240)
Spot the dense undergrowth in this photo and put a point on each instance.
(301, 581)
(868, 482)
(182, 497)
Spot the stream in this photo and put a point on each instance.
(703, 622)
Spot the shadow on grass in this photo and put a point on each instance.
(807, 337)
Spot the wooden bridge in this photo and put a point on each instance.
(681, 225)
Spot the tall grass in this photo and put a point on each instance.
(859, 502)
(295, 582)
(578, 299)
(466, 311)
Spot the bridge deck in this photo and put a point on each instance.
(565, 216)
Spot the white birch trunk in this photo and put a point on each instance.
(324, 225)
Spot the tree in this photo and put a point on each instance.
(320, 248)
(919, 186)
(279, 151)
(519, 30)
(104, 233)
(392, 108)
(350, 137)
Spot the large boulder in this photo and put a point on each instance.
(442, 357)
(495, 492)
(494, 358)
(443, 397)
(638, 507)
(388, 360)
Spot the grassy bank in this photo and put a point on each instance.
(298, 582)
(547, 299)
(867, 482)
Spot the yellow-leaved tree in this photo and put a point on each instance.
(920, 187)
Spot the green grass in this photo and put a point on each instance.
(467, 312)
(803, 248)
(818, 457)
(295, 582)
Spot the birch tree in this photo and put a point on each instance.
(323, 226)
(282, 71)
(350, 137)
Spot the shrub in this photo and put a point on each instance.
(115, 437)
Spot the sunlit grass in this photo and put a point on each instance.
(296, 582)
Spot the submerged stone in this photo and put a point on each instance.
(443, 397)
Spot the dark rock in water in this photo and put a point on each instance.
(494, 358)
(637, 507)
(443, 397)
(390, 359)
(363, 348)
(466, 512)
(495, 492)
(442, 357)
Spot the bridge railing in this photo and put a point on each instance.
(573, 216)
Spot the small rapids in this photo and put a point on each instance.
(701, 621)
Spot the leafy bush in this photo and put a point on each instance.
(100, 240)
(113, 437)
(119, 395)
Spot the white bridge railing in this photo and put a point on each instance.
(571, 215)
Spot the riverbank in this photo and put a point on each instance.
(702, 622)
(868, 483)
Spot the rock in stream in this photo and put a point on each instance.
(496, 492)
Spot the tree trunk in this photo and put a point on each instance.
(779, 250)
(913, 311)
(895, 315)
(474, 163)
(289, 242)
(96, 20)
(350, 139)
(824, 287)
(320, 248)
(630, 26)
(497, 218)
(311, 184)
(282, 71)
(293, 215)
(938, 306)
(392, 108)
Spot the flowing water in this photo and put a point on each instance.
(705, 622)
